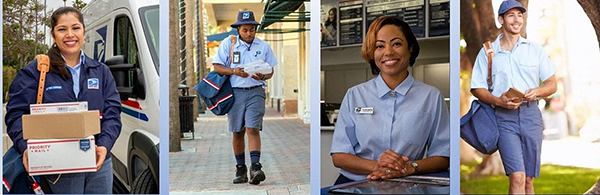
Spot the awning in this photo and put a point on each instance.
(283, 11)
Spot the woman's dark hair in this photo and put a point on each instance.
(333, 23)
(57, 63)
(368, 47)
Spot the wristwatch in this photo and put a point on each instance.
(415, 166)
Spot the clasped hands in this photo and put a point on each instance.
(240, 72)
(391, 165)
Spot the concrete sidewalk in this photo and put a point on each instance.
(207, 165)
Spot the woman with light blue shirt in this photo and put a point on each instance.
(393, 125)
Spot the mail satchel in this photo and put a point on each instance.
(215, 89)
(479, 127)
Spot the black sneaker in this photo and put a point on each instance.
(256, 175)
(240, 174)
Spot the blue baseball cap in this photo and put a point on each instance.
(244, 17)
(509, 4)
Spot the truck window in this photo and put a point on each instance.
(126, 44)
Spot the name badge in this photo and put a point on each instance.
(56, 87)
(93, 83)
(364, 110)
(236, 57)
(84, 144)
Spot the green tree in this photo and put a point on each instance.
(79, 4)
(22, 31)
(22, 36)
(8, 73)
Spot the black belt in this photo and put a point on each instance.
(247, 88)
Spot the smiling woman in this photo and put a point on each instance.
(393, 125)
(70, 70)
(68, 33)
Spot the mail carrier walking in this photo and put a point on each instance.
(246, 115)
(521, 64)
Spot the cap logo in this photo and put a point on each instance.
(245, 15)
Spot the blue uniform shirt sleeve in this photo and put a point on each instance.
(111, 115)
(344, 136)
(22, 93)
(480, 71)
(222, 56)
(547, 69)
(439, 138)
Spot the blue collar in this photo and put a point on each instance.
(402, 89)
(241, 42)
(81, 59)
(496, 43)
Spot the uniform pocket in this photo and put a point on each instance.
(529, 69)
(415, 126)
(499, 75)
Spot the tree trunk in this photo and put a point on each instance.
(592, 9)
(174, 78)
(491, 165)
(467, 153)
(189, 52)
(470, 29)
(202, 71)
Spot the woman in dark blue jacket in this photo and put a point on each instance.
(72, 77)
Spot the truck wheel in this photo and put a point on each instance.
(144, 184)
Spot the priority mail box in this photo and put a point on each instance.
(61, 125)
(54, 156)
(58, 107)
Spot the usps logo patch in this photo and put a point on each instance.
(84, 144)
(245, 15)
(93, 83)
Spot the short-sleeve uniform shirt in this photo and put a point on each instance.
(412, 120)
(522, 68)
(244, 53)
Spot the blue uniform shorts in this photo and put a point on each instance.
(520, 139)
(248, 109)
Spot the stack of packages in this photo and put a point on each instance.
(60, 138)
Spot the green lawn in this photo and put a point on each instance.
(553, 180)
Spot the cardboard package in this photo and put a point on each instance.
(61, 125)
(54, 156)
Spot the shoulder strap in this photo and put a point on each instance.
(233, 40)
(489, 51)
(43, 66)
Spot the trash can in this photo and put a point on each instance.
(186, 111)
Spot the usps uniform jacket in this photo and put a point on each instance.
(97, 87)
